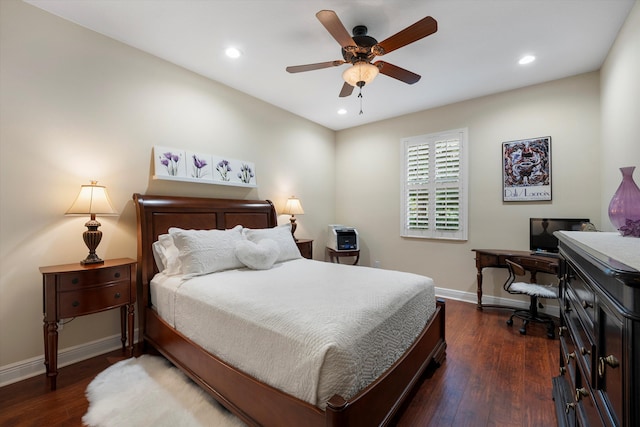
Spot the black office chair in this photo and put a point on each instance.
(534, 291)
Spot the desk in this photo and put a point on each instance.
(496, 258)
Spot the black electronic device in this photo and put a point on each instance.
(541, 238)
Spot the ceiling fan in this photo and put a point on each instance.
(361, 49)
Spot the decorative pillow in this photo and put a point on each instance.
(166, 255)
(206, 251)
(257, 256)
(283, 237)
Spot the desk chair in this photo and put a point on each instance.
(534, 291)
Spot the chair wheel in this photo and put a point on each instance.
(510, 322)
(523, 331)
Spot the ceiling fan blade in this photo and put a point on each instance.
(311, 67)
(415, 32)
(347, 90)
(332, 23)
(397, 72)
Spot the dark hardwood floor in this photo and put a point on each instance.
(493, 376)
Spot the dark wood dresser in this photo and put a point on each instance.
(599, 381)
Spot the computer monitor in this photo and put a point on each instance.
(541, 238)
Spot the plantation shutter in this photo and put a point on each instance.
(434, 186)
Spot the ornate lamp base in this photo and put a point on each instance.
(92, 239)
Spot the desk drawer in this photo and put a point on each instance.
(92, 300)
(74, 280)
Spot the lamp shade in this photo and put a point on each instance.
(92, 199)
(360, 73)
(293, 207)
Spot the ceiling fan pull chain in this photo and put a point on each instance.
(360, 96)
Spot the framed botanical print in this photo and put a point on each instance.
(526, 170)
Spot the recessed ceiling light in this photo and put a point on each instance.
(233, 52)
(527, 59)
(342, 111)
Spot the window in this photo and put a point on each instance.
(434, 185)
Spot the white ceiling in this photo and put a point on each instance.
(474, 52)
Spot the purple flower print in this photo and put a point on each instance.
(171, 162)
(245, 173)
(198, 167)
(223, 169)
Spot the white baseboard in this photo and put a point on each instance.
(31, 367)
(24, 369)
(550, 309)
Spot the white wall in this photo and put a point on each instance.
(76, 106)
(620, 142)
(368, 186)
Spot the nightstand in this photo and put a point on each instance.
(73, 290)
(306, 247)
(335, 256)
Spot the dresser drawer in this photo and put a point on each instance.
(582, 336)
(609, 365)
(584, 296)
(91, 300)
(74, 280)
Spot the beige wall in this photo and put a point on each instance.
(621, 109)
(77, 106)
(368, 187)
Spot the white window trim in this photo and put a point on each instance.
(463, 185)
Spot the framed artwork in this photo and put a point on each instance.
(526, 170)
(183, 165)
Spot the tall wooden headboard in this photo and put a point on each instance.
(156, 214)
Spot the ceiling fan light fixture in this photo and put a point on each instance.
(360, 73)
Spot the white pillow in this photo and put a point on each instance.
(166, 255)
(206, 251)
(258, 256)
(283, 237)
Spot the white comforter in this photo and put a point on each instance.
(311, 329)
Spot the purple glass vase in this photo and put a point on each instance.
(624, 208)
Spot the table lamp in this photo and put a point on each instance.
(92, 200)
(292, 208)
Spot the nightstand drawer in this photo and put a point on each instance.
(74, 280)
(91, 300)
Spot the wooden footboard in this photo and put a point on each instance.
(259, 404)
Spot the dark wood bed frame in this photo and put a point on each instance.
(254, 402)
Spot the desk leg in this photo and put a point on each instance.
(123, 326)
(479, 278)
(51, 351)
(131, 323)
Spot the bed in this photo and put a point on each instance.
(255, 400)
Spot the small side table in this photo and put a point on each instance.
(306, 247)
(335, 256)
(73, 290)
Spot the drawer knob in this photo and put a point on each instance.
(604, 361)
(570, 356)
(561, 330)
(580, 393)
(117, 295)
(584, 351)
(586, 304)
(569, 407)
(563, 370)
(75, 303)
(117, 275)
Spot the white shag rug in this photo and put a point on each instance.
(149, 391)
